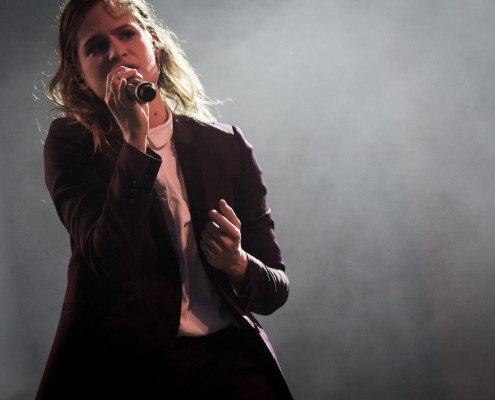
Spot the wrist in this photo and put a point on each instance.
(238, 274)
(137, 142)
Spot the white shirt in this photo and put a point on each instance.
(202, 311)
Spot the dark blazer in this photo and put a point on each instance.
(121, 309)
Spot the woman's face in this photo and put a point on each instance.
(110, 37)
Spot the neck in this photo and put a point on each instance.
(158, 112)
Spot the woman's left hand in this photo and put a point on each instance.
(221, 244)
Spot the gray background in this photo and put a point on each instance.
(373, 122)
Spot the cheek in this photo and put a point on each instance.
(151, 61)
(94, 76)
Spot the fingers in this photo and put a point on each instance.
(217, 239)
(212, 238)
(223, 231)
(229, 213)
(122, 72)
(226, 220)
(131, 116)
(224, 224)
(210, 256)
(219, 248)
(221, 241)
(116, 84)
(114, 88)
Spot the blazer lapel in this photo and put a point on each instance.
(194, 171)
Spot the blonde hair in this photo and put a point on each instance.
(178, 83)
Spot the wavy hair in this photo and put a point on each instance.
(179, 85)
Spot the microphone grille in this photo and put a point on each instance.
(146, 91)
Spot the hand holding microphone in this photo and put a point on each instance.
(129, 99)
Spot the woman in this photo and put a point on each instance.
(156, 197)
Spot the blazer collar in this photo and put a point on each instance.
(182, 133)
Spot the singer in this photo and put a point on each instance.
(172, 241)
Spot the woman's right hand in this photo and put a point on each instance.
(132, 116)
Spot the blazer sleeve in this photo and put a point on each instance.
(105, 218)
(268, 284)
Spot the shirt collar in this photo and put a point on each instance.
(161, 135)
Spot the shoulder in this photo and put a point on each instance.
(210, 134)
(224, 144)
(70, 130)
(203, 127)
(67, 136)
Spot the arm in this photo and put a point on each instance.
(242, 243)
(105, 219)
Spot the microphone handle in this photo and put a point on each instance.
(141, 91)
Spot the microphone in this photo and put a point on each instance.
(141, 91)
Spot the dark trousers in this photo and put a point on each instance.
(220, 366)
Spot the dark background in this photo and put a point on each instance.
(373, 122)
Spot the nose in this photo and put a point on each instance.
(116, 51)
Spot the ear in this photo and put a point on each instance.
(155, 42)
(158, 54)
(78, 78)
(81, 82)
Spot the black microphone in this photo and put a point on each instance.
(141, 91)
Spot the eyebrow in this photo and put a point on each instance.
(97, 37)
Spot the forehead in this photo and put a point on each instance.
(103, 18)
